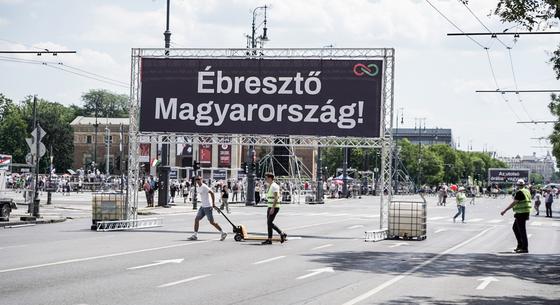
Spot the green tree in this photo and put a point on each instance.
(55, 119)
(431, 166)
(105, 103)
(536, 178)
(12, 130)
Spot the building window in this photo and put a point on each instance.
(88, 139)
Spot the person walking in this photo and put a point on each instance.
(548, 203)
(273, 201)
(460, 198)
(538, 198)
(147, 189)
(225, 197)
(205, 193)
(521, 206)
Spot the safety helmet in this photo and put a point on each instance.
(520, 182)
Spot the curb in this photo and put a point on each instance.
(10, 224)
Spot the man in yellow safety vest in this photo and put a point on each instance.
(521, 206)
(273, 201)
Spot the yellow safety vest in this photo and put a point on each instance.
(523, 206)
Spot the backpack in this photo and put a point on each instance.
(549, 198)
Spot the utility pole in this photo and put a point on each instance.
(108, 146)
(319, 198)
(163, 169)
(251, 157)
(345, 173)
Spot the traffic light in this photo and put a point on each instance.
(195, 166)
(244, 167)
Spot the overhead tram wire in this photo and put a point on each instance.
(479, 44)
(510, 58)
(57, 65)
(451, 22)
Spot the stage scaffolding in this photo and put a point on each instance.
(384, 142)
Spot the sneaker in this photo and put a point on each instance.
(521, 251)
(267, 242)
(283, 237)
(194, 237)
(223, 236)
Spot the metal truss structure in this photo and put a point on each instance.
(119, 225)
(384, 142)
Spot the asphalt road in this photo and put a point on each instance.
(325, 260)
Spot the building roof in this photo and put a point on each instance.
(82, 120)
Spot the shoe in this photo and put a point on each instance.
(223, 236)
(283, 237)
(194, 237)
(267, 242)
(521, 251)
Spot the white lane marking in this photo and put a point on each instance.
(157, 263)
(319, 224)
(19, 226)
(536, 223)
(398, 245)
(485, 282)
(322, 247)
(194, 278)
(411, 271)
(495, 220)
(269, 260)
(84, 259)
(437, 218)
(555, 224)
(355, 227)
(316, 272)
(476, 220)
(293, 237)
(440, 230)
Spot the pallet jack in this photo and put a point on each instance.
(241, 232)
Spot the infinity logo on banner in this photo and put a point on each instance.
(361, 69)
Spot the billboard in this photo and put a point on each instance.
(262, 96)
(507, 175)
(224, 155)
(205, 155)
(5, 162)
(144, 152)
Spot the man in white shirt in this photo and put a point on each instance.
(204, 192)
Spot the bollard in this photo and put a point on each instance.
(49, 197)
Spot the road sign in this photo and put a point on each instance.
(29, 158)
(33, 147)
(34, 133)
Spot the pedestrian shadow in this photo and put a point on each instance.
(474, 299)
(537, 268)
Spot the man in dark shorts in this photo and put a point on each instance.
(205, 209)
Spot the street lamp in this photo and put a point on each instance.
(260, 39)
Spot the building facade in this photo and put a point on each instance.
(425, 136)
(90, 151)
(541, 165)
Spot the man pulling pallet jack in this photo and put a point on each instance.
(273, 201)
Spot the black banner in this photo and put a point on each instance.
(262, 96)
(507, 175)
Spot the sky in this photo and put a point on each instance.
(436, 75)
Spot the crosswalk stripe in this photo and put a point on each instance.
(476, 220)
(536, 223)
(495, 220)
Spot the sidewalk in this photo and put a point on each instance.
(78, 205)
